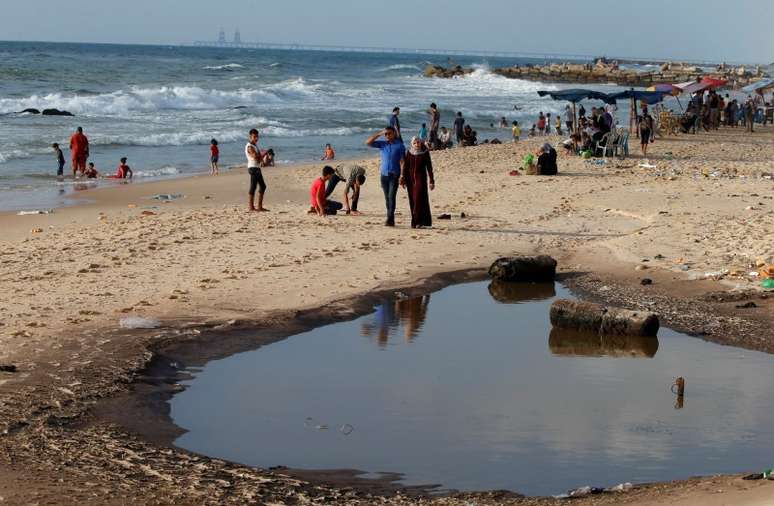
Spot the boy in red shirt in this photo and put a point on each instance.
(124, 171)
(320, 204)
(214, 156)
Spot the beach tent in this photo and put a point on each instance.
(574, 96)
(759, 87)
(714, 83)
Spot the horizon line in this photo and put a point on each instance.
(288, 46)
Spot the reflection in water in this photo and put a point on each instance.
(587, 344)
(515, 293)
(390, 315)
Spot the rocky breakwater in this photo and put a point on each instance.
(607, 72)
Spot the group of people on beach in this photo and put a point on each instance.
(79, 151)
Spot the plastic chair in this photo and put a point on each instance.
(622, 146)
(609, 140)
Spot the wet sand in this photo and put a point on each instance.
(202, 262)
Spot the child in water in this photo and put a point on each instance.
(329, 154)
(124, 171)
(516, 131)
(91, 172)
(60, 160)
(214, 157)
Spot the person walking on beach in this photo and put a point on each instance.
(254, 158)
(646, 129)
(516, 131)
(395, 123)
(393, 154)
(541, 123)
(79, 149)
(60, 160)
(214, 157)
(435, 123)
(749, 114)
(459, 128)
(417, 171)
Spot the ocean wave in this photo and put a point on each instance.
(400, 66)
(122, 102)
(227, 66)
(163, 171)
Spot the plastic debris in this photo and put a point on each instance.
(35, 211)
(621, 487)
(137, 322)
(768, 284)
(765, 475)
(167, 196)
(647, 166)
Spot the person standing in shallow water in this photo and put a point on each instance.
(79, 148)
(417, 173)
(254, 158)
(393, 154)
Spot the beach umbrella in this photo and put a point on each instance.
(759, 86)
(714, 82)
(574, 96)
(693, 86)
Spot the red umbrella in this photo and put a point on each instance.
(714, 82)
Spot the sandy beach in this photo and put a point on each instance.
(695, 218)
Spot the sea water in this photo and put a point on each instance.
(161, 105)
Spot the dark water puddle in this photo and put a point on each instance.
(470, 388)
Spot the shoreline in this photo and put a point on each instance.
(221, 264)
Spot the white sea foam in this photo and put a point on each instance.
(163, 171)
(228, 66)
(123, 102)
(400, 66)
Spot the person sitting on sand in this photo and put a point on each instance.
(91, 172)
(60, 159)
(469, 136)
(532, 131)
(445, 138)
(320, 205)
(586, 143)
(214, 157)
(124, 171)
(516, 131)
(546, 162)
(572, 145)
(329, 153)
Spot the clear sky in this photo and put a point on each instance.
(733, 30)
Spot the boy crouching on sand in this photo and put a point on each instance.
(320, 205)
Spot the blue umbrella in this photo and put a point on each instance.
(576, 95)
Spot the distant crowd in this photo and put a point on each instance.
(411, 168)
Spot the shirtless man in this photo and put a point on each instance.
(254, 158)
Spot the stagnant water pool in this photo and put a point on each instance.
(469, 388)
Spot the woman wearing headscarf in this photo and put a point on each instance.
(417, 172)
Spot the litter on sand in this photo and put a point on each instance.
(35, 211)
(137, 322)
(167, 196)
(647, 166)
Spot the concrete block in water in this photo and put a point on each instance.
(538, 268)
(588, 317)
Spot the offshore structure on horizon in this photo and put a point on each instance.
(237, 43)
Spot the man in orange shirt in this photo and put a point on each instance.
(79, 148)
(320, 205)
